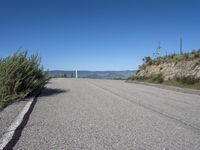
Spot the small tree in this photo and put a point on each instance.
(147, 59)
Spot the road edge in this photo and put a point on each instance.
(7, 137)
(168, 87)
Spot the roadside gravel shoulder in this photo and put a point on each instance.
(8, 114)
(172, 88)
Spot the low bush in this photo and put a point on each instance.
(186, 56)
(196, 55)
(157, 78)
(154, 78)
(20, 75)
(187, 79)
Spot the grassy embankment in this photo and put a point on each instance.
(184, 81)
(20, 76)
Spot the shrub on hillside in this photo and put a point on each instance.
(20, 75)
(186, 56)
(196, 55)
(157, 78)
(146, 59)
(150, 62)
(158, 62)
(187, 79)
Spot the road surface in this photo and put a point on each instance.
(109, 114)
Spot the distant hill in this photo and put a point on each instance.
(93, 74)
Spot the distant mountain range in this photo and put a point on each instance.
(93, 74)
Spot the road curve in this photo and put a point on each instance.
(109, 114)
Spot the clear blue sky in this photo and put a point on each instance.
(97, 34)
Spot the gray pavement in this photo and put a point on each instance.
(109, 114)
(8, 114)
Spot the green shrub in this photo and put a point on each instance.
(158, 62)
(187, 79)
(157, 78)
(196, 55)
(154, 78)
(147, 59)
(186, 56)
(150, 62)
(20, 75)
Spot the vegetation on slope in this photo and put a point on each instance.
(20, 76)
(183, 81)
(148, 61)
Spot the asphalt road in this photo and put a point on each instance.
(108, 114)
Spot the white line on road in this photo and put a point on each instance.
(11, 130)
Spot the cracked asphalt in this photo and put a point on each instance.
(110, 114)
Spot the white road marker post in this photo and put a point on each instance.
(76, 74)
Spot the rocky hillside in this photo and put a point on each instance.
(172, 66)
